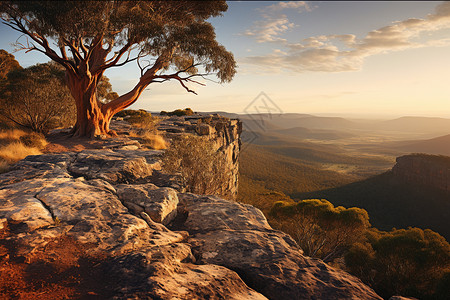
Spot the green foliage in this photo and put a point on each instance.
(154, 27)
(322, 230)
(7, 63)
(202, 167)
(140, 118)
(391, 203)
(178, 112)
(37, 98)
(105, 92)
(409, 262)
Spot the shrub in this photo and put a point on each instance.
(202, 167)
(409, 262)
(139, 118)
(154, 141)
(34, 140)
(321, 230)
(178, 112)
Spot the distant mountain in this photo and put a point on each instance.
(438, 146)
(414, 194)
(417, 124)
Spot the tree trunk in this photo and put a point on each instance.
(92, 119)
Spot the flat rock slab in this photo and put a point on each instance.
(121, 166)
(159, 203)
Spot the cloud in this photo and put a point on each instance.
(300, 6)
(345, 52)
(269, 29)
(273, 23)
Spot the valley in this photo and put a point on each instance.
(348, 162)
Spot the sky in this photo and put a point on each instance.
(354, 59)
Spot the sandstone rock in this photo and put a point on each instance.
(111, 166)
(166, 272)
(239, 238)
(232, 252)
(427, 170)
(90, 214)
(159, 203)
(204, 129)
(38, 166)
(20, 205)
(209, 213)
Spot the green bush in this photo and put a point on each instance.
(178, 112)
(139, 118)
(409, 262)
(321, 230)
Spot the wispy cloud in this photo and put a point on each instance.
(269, 29)
(345, 52)
(273, 23)
(300, 6)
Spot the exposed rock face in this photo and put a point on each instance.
(429, 170)
(223, 131)
(160, 243)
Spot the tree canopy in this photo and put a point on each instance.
(169, 40)
(322, 230)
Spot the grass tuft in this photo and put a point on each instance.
(17, 144)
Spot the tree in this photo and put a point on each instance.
(321, 230)
(24, 96)
(7, 63)
(38, 98)
(409, 262)
(93, 36)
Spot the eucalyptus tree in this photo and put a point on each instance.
(169, 40)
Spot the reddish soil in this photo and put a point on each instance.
(62, 142)
(61, 270)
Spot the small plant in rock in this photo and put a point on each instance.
(202, 167)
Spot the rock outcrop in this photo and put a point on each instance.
(427, 170)
(224, 132)
(158, 242)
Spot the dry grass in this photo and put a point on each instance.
(11, 135)
(17, 151)
(17, 144)
(154, 141)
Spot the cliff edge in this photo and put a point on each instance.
(149, 239)
(428, 170)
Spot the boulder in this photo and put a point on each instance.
(159, 203)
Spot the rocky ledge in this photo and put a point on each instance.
(156, 241)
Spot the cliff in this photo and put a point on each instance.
(428, 170)
(224, 132)
(137, 237)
